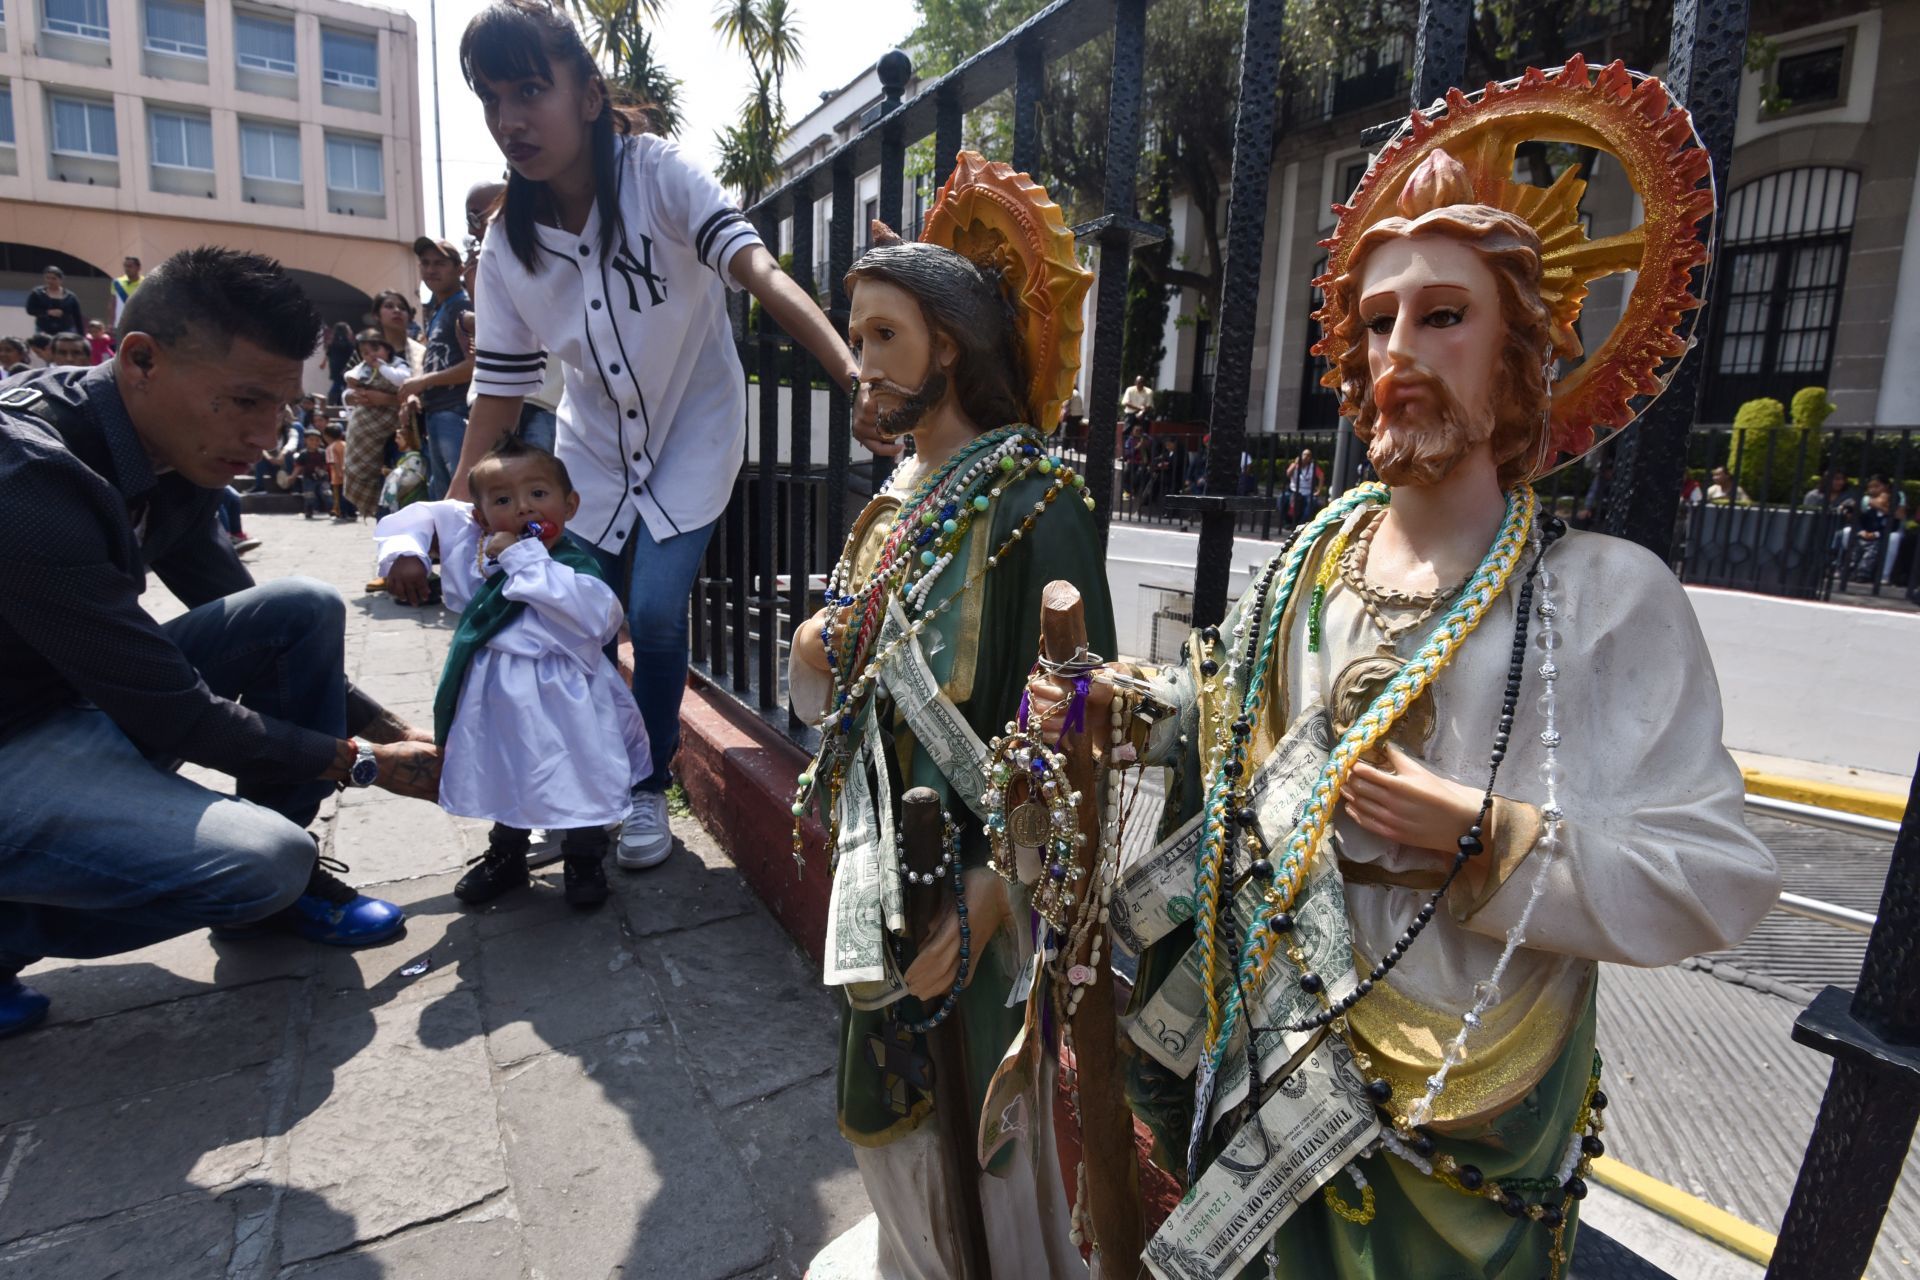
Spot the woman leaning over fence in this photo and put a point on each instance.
(613, 252)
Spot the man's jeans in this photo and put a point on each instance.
(103, 850)
(446, 432)
(659, 580)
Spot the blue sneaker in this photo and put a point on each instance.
(21, 1008)
(335, 913)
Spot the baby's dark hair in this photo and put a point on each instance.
(514, 449)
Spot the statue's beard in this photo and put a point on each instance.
(914, 405)
(1427, 436)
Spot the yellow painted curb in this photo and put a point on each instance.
(1827, 795)
(1690, 1211)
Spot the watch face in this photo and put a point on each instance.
(365, 772)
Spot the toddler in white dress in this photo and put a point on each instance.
(537, 726)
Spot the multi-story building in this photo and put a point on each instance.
(147, 126)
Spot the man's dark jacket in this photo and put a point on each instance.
(74, 484)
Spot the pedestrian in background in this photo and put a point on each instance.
(53, 307)
(440, 381)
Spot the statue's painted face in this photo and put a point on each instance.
(899, 355)
(1435, 336)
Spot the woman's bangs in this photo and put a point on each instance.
(502, 45)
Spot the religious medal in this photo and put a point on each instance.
(1363, 680)
(1029, 825)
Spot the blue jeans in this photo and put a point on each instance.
(228, 512)
(103, 849)
(538, 426)
(659, 582)
(446, 432)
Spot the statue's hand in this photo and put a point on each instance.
(1397, 798)
(1049, 696)
(866, 427)
(931, 974)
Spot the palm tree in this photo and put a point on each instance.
(768, 33)
(617, 36)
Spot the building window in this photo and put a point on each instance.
(262, 44)
(1319, 406)
(84, 18)
(1806, 79)
(177, 27)
(6, 115)
(1783, 264)
(269, 154)
(352, 61)
(353, 164)
(181, 141)
(82, 128)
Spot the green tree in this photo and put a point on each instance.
(1770, 459)
(617, 36)
(768, 33)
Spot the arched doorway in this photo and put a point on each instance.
(1783, 264)
(21, 269)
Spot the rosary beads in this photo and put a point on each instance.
(950, 864)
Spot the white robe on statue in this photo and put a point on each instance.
(1655, 862)
(546, 733)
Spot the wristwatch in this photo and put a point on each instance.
(365, 770)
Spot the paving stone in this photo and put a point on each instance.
(130, 1053)
(619, 1171)
(559, 984)
(425, 962)
(192, 1240)
(397, 652)
(87, 1162)
(747, 1006)
(188, 965)
(686, 890)
(802, 1170)
(396, 1128)
(395, 838)
(488, 1250)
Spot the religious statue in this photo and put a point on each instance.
(968, 342)
(1445, 755)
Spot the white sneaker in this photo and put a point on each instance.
(543, 847)
(645, 840)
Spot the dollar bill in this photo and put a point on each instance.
(1172, 1026)
(1314, 1124)
(857, 956)
(1155, 894)
(942, 732)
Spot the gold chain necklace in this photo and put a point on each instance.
(1361, 680)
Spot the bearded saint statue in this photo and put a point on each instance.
(968, 343)
(1445, 755)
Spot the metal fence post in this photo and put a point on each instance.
(760, 575)
(1239, 304)
(839, 407)
(1029, 79)
(1866, 1121)
(1115, 235)
(1707, 52)
(1439, 50)
(800, 445)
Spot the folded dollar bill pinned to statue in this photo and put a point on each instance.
(1317, 1120)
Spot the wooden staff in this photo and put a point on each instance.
(922, 841)
(1106, 1124)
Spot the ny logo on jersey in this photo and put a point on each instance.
(629, 267)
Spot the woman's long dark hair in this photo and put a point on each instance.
(521, 39)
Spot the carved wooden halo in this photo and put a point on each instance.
(1632, 118)
(1004, 221)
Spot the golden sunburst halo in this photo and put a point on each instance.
(1630, 117)
(1004, 221)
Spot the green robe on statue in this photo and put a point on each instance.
(981, 651)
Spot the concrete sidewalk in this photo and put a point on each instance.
(524, 1091)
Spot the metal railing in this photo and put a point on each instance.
(786, 522)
